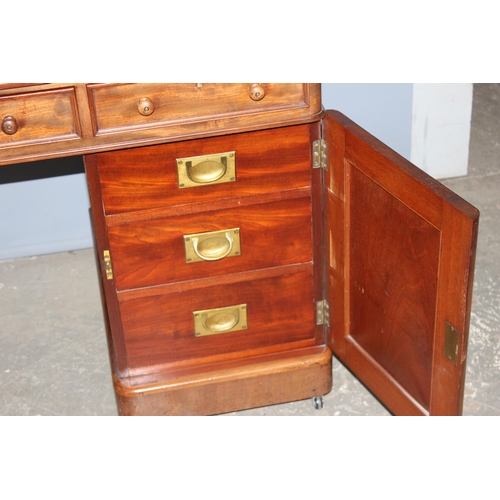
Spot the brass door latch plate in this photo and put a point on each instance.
(451, 344)
(107, 265)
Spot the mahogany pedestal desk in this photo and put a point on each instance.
(243, 234)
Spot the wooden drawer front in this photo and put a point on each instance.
(146, 178)
(160, 329)
(153, 252)
(40, 117)
(118, 107)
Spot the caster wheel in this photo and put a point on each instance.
(318, 402)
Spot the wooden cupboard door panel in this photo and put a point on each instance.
(400, 258)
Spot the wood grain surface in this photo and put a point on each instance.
(401, 252)
(105, 117)
(152, 252)
(160, 329)
(250, 383)
(267, 161)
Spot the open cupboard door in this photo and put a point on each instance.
(399, 253)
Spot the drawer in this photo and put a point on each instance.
(147, 178)
(154, 252)
(117, 107)
(162, 329)
(39, 117)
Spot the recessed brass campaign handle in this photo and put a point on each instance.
(212, 246)
(206, 170)
(220, 320)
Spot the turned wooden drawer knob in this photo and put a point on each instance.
(257, 92)
(9, 125)
(146, 106)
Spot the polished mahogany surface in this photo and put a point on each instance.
(400, 260)
(55, 120)
(365, 255)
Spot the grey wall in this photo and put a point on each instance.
(44, 216)
(51, 215)
(383, 109)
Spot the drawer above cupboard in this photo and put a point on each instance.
(118, 107)
(43, 121)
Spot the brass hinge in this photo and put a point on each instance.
(322, 313)
(107, 265)
(319, 154)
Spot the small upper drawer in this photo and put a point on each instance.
(38, 117)
(118, 107)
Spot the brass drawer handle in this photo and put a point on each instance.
(9, 125)
(220, 320)
(215, 248)
(145, 106)
(212, 246)
(206, 170)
